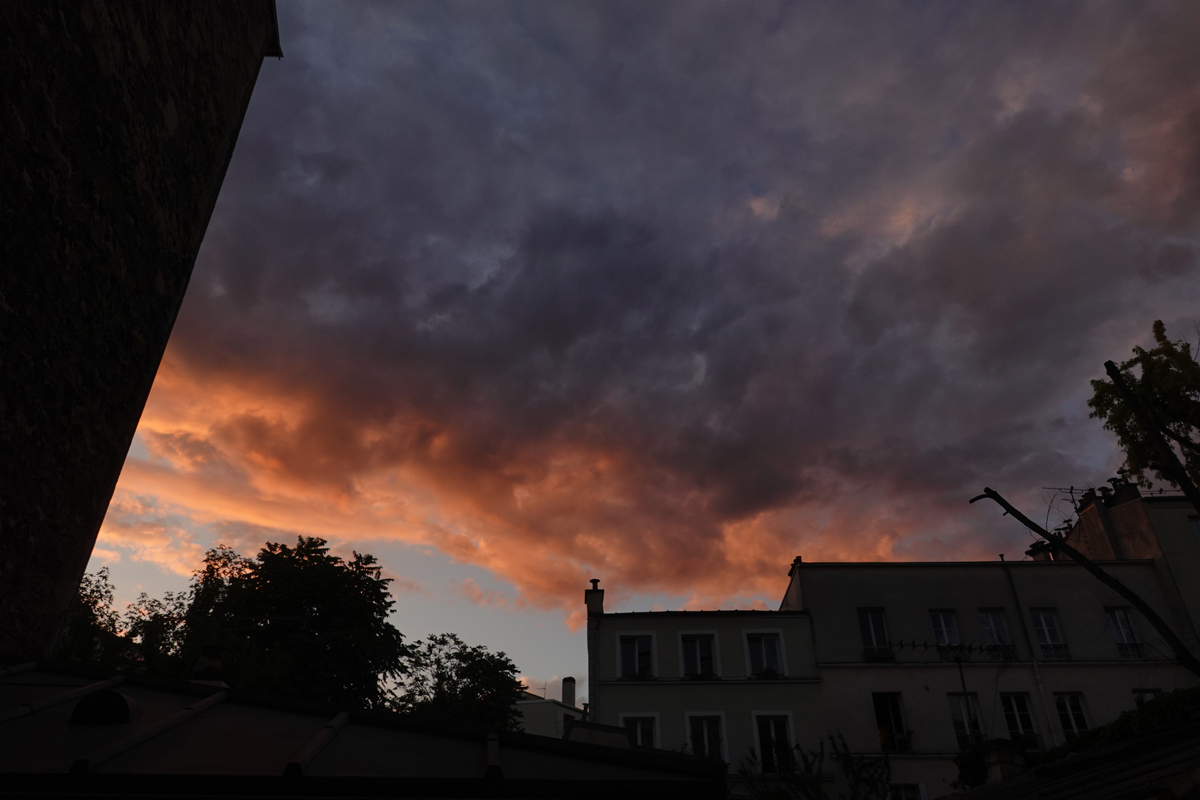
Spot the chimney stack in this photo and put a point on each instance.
(568, 692)
(593, 598)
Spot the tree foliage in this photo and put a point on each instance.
(448, 679)
(296, 620)
(91, 630)
(1166, 379)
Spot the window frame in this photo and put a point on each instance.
(1130, 647)
(716, 654)
(624, 715)
(1031, 736)
(1071, 735)
(906, 733)
(1002, 614)
(968, 702)
(943, 615)
(758, 748)
(876, 652)
(687, 729)
(653, 655)
(778, 633)
(1054, 651)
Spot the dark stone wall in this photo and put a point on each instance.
(119, 120)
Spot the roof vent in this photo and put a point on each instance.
(104, 707)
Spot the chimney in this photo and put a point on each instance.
(568, 692)
(593, 598)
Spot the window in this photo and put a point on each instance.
(1120, 625)
(995, 633)
(905, 791)
(637, 656)
(889, 718)
(774, 743)
(698, 661)
(964, 712)
(945, 633)
(1045, 624)
(1018, 718)
(765, 655)
(945, 629)
(643, 729)
(876, 646)
(705, 737)
(1070, 713)
(1143, 696)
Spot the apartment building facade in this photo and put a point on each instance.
(913, 659)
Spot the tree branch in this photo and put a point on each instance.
(1182, 655)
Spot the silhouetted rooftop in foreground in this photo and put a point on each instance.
(185, 738)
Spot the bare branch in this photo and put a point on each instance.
(1059, 544)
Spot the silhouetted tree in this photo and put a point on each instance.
(296, 620)
(90, 632)
(450, 680)
(1165, 383)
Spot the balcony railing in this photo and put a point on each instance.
(1057, 652)
(1129, 650)
(879, 654)
(1001, 652)
(954, 652)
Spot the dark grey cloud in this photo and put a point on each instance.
(819, 269)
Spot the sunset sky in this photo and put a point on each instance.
(514, 295)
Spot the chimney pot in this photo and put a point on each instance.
(568, 692)
(593, 598)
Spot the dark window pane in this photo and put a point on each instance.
(706, 737)
(698, 656)
(964, 712)
(643, 730)
(704, 645)
(1070, 713)
(893, 734)
(636, 657)
(764, 654)
(874, 635)
(776, 748)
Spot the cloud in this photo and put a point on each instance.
(668, 294)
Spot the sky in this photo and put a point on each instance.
(515, 295)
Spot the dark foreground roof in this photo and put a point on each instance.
(187, 739)
(1163, 765)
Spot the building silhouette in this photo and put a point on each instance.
(120, 120)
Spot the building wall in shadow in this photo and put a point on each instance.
(119, 121)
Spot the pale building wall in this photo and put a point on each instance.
(544, 717)
(829, 684)
(733, 694)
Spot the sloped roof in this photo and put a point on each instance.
(229, 741)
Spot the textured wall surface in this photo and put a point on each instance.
(118, 124)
